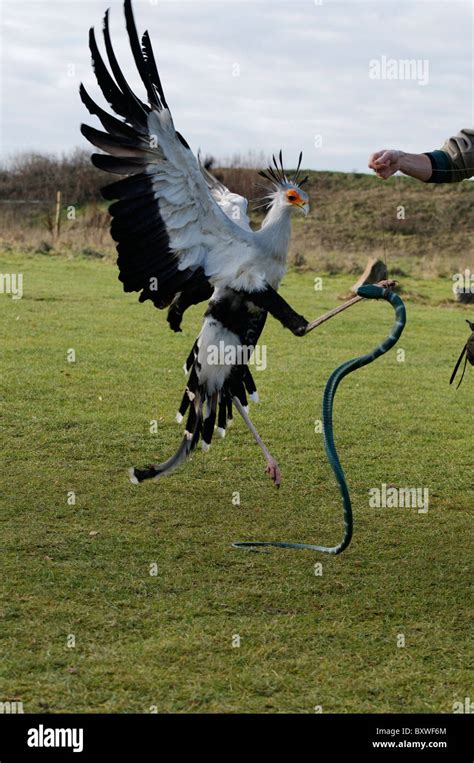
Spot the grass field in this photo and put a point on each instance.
(165, 641)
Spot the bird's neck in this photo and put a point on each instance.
(275, 232)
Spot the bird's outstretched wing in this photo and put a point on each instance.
(171, 233)
(234, 205)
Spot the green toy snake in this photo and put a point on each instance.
(368, 291)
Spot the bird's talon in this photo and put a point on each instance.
(274, 473)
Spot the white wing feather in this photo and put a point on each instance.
(232, 204)
(200, 228)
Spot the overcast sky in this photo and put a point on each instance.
(252, 74)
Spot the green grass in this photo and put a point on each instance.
(166, 640)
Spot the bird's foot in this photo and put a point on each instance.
(174, 318)
(298, 325)
(273, 472)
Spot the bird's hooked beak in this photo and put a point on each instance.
(304, 206)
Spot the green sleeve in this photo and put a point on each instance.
(442, 167)
(455, 160)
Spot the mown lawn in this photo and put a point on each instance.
(165, 641)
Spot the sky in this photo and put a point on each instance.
(322, 76)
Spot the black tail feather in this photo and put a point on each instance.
(238, 389)
(209, 420)
(230, 415)
(185, 403)
(463, 372)
(203, 411)
(188, 444)
(458, 363)
(249, 382)
(222, 416)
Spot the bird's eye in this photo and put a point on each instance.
(292, 195)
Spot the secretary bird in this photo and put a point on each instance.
(184, 238)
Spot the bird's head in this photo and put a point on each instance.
(471, 324)
(295, 197)
(287, 191)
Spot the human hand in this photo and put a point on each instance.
(385, 163)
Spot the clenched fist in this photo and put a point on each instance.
(385, 163)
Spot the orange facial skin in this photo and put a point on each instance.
(294, 198)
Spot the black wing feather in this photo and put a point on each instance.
(131, 187)
(132, 207)
(143, 243)
(152, 67)
(111, 92)
(113, 125)
(117, 146)
(137, 108)
(128, 165)
(138, 55)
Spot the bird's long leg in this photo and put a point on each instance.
(272, 467)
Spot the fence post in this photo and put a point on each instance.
(58, 215)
